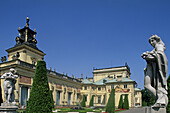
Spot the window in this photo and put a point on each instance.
(99, 99)
(93, 88)
(24, 95)
(125, 86)
(33, 62)
(86, 98)
(112, 86)
(99, 88)
(77, 98)
(58, 97)
(85, 87)
(64, 93)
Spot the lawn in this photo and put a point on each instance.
(86, 109)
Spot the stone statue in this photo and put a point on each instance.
(9, 85)
(156, 71)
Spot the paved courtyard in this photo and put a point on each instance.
(135, 110)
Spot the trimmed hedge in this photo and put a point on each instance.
(83, 103)
(147, 97)
(126, 102)
(40, 97)
(52, 101)
(91, 101)
(1, 101)
(121, 102)
(168, 106)
(110, 107)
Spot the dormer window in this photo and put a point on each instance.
(112, 86)
(99, 88)
(125, 86)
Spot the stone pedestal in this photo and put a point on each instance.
(155, 110)
(8, 108)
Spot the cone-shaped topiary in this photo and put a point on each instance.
(110, 107)
(126, 102)
(83, 102)
(52, 101)
(1, 101)
(40, 98)
(121, 102)
(91, 101)
(168, 106)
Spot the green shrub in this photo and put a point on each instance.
(91, 101)
(148, 97)
(121, 102)
(168, 106)
(144, 103)
(52, 101)
(1, 101)
(126, 102)
(110, 107)
(40, 98)
(83, 103)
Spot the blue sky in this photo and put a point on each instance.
(78, 35)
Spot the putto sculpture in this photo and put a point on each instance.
(9, 85)
(156, 71)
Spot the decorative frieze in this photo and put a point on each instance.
(69, 89)
(24, 79)
(59, 86)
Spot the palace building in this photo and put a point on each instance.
(66, 90)
(105, 79)
(23, 57)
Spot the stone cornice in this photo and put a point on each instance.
(24, 46)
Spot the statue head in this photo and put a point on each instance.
(155, 39)
(12, 70)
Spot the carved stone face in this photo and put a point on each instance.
(153, 42)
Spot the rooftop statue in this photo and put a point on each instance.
(156, 71)
(9, 85)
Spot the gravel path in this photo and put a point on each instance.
(135, 110)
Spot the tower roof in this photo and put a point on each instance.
(26, 36)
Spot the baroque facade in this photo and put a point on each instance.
(105, 79)
(66, 90)
(23, 57)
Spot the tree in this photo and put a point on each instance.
(1, 101)
(121, 102)
(126, 102)
(110, 107)
(91, 101)
(40, 97)
(147, 98)
(144, 103)
(83, 103)
(52, 101)
(168, 106)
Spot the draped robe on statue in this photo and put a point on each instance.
(157, 66)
